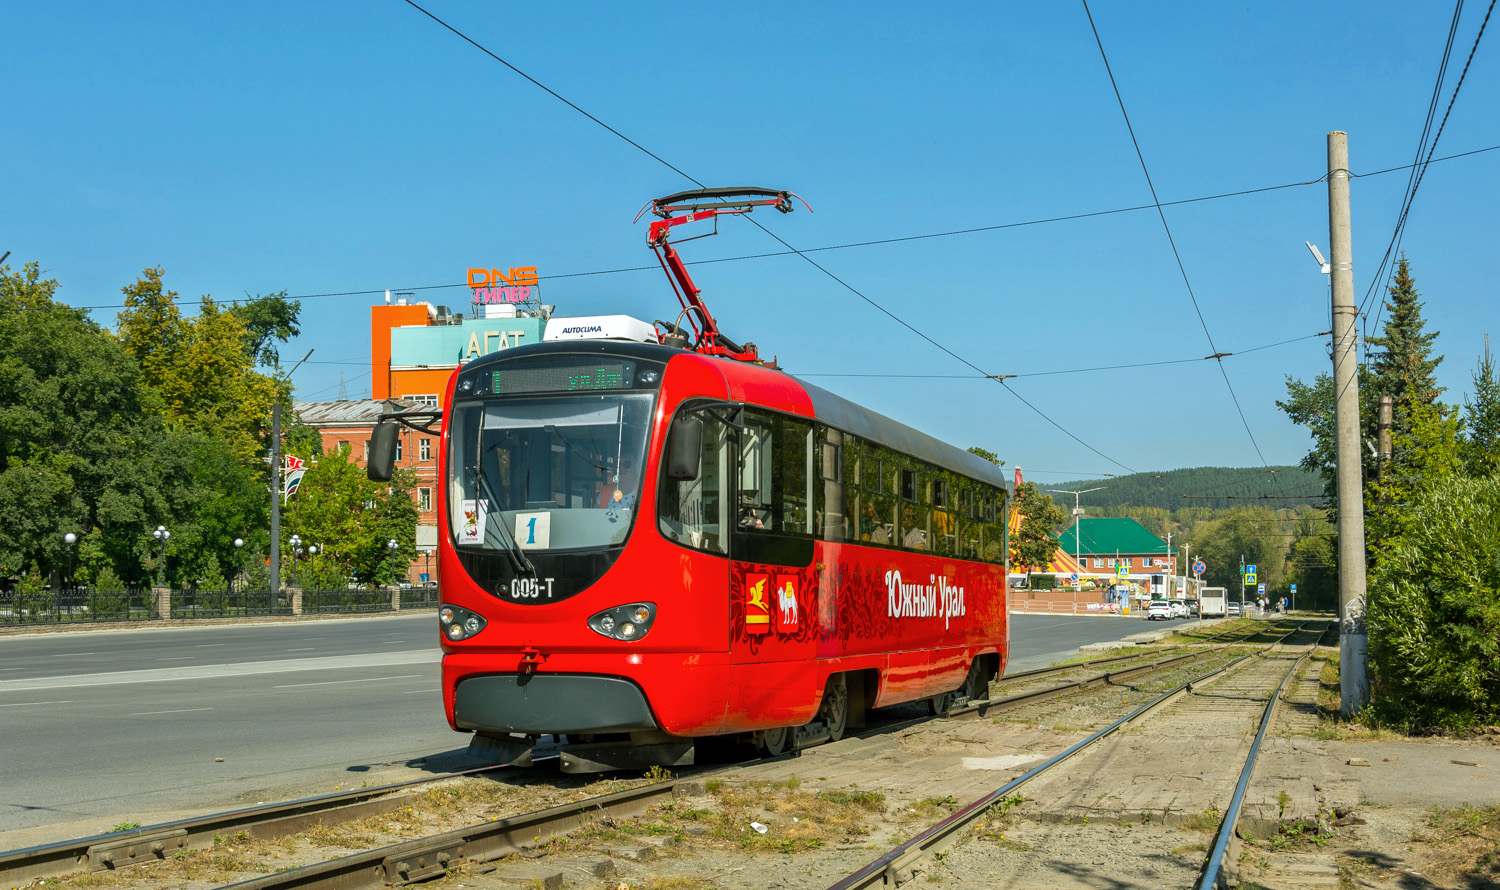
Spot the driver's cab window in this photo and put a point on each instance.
(695, 512)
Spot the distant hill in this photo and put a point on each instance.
(1212, 487)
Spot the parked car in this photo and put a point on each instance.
(1234, 610)
(1159, 609)
(1192, 607)
(1179, 608)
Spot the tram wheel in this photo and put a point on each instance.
(774, 742)
(941, 705)
(835, 707)
(977, 685)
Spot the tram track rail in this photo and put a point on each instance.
(423, 858)
(899, 865)
(1108, 678)
(153, 842)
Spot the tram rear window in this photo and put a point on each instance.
(581, 376)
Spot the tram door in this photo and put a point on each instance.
(773, 598)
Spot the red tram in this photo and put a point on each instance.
(643, 546)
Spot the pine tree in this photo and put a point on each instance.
(1402, 361)
(1482, 417)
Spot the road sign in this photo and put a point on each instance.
(1198, 567)
(1261, 588)
(1294, 588)
(1073, 578)
(1249, 575)
(1122, 569)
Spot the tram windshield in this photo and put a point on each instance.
(547, 473)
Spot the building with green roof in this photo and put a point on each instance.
(1104, 546)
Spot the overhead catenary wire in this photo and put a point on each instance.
(1161, 214)
(1418, 167)
(877, 242)
(779, 239)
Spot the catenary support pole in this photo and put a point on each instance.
(275, 583)
(1354, 686)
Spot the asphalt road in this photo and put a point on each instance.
(100, 727)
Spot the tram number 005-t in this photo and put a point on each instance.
(530, 588)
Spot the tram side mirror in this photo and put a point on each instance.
(685, 449)
(382, 451)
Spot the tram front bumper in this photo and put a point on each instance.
(538, 703)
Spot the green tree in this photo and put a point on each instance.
(1248, 533)
(1434, 613)
(1401, 359)
(1034, 542)
(268, 320)
(987, 454)
(76, 435)
(203, 367)
(1482, 418)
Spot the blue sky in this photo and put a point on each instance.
(336, 147)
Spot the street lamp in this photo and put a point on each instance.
(239, 563)
(70, 539)
(392, 546)
(161, 535)
(1077, 536)
(295, 543)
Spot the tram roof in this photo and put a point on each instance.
(839, 412)
(833, 410)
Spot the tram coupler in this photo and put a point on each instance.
(531, 658)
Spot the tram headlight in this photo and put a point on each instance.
(628, 622)
(459, 624)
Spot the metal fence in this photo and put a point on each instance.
(194, 603)
(87, 605)
(74, 605)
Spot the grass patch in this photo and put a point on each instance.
(795, 820)
(1463, 844)
(1291, 836)
(126, 826)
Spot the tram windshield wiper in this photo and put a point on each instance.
(518, 558)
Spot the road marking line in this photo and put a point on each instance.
(306, 649)
(209, 645)
(415, 691)
(225, 671)
(69, 654)
(179, 711)
(337, 682)
(23, 704)
(175, 657)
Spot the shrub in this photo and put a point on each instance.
(1043, 582)
(1434, 610)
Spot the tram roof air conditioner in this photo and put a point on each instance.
(600, 327)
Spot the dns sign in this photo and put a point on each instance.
(494, 286)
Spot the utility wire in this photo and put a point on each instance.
(779, 239)
(875, 242)
(1168, 229)
(1414, 176)
(1175, 361)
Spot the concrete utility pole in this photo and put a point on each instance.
(275, 500)
(1354, 685)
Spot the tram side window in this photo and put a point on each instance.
(878, 503)
(945, 520)
(775, 486)
(916, 510)
(992, 535)
(830, 515)
(695, 512)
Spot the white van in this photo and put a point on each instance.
(1212, 602)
